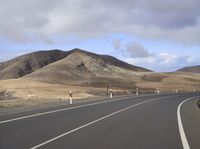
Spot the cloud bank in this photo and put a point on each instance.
(164, 62)
(136, 54)
(35, 20)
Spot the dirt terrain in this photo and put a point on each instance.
(50, 75)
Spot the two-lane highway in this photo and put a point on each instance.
(126, 123)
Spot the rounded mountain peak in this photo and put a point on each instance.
(77, 50)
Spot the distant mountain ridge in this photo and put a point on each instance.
(194, 69)
(33, 62)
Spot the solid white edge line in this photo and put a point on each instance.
(180, 125)
(64, 109)
(95, 121)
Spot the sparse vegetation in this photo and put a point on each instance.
(5, 95)
(50, 76)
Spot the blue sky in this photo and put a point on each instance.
(159, 35)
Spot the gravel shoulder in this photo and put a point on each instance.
(34, 105)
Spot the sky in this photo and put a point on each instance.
(159, 35)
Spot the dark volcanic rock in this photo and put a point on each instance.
(29, 63)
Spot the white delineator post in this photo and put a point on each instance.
(70, 97)
(158, 91)
(194, 90)
(137, 93)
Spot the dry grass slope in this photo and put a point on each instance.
(194, 69)
(52, 76)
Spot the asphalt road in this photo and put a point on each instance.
(169, 121)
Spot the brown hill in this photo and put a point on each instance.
(110, 60)
(194, 69)
(88, 69)
(85, 74)
(29, 63)
(32, 62)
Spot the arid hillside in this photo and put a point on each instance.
(170, 82)
(82, 68)
(29, 63)
(51, 75)
(194, 69)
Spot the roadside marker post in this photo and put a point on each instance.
(70, 97)
(194, 90)
(157, 91)
(137, 93)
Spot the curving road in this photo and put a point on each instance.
(168, 121)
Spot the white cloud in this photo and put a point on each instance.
(30, 20)
(132, 49)
(164, 61)
(167, 59)
(137, 50)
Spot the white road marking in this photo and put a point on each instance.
(64, 109)
(180, 126)
(95, 121)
